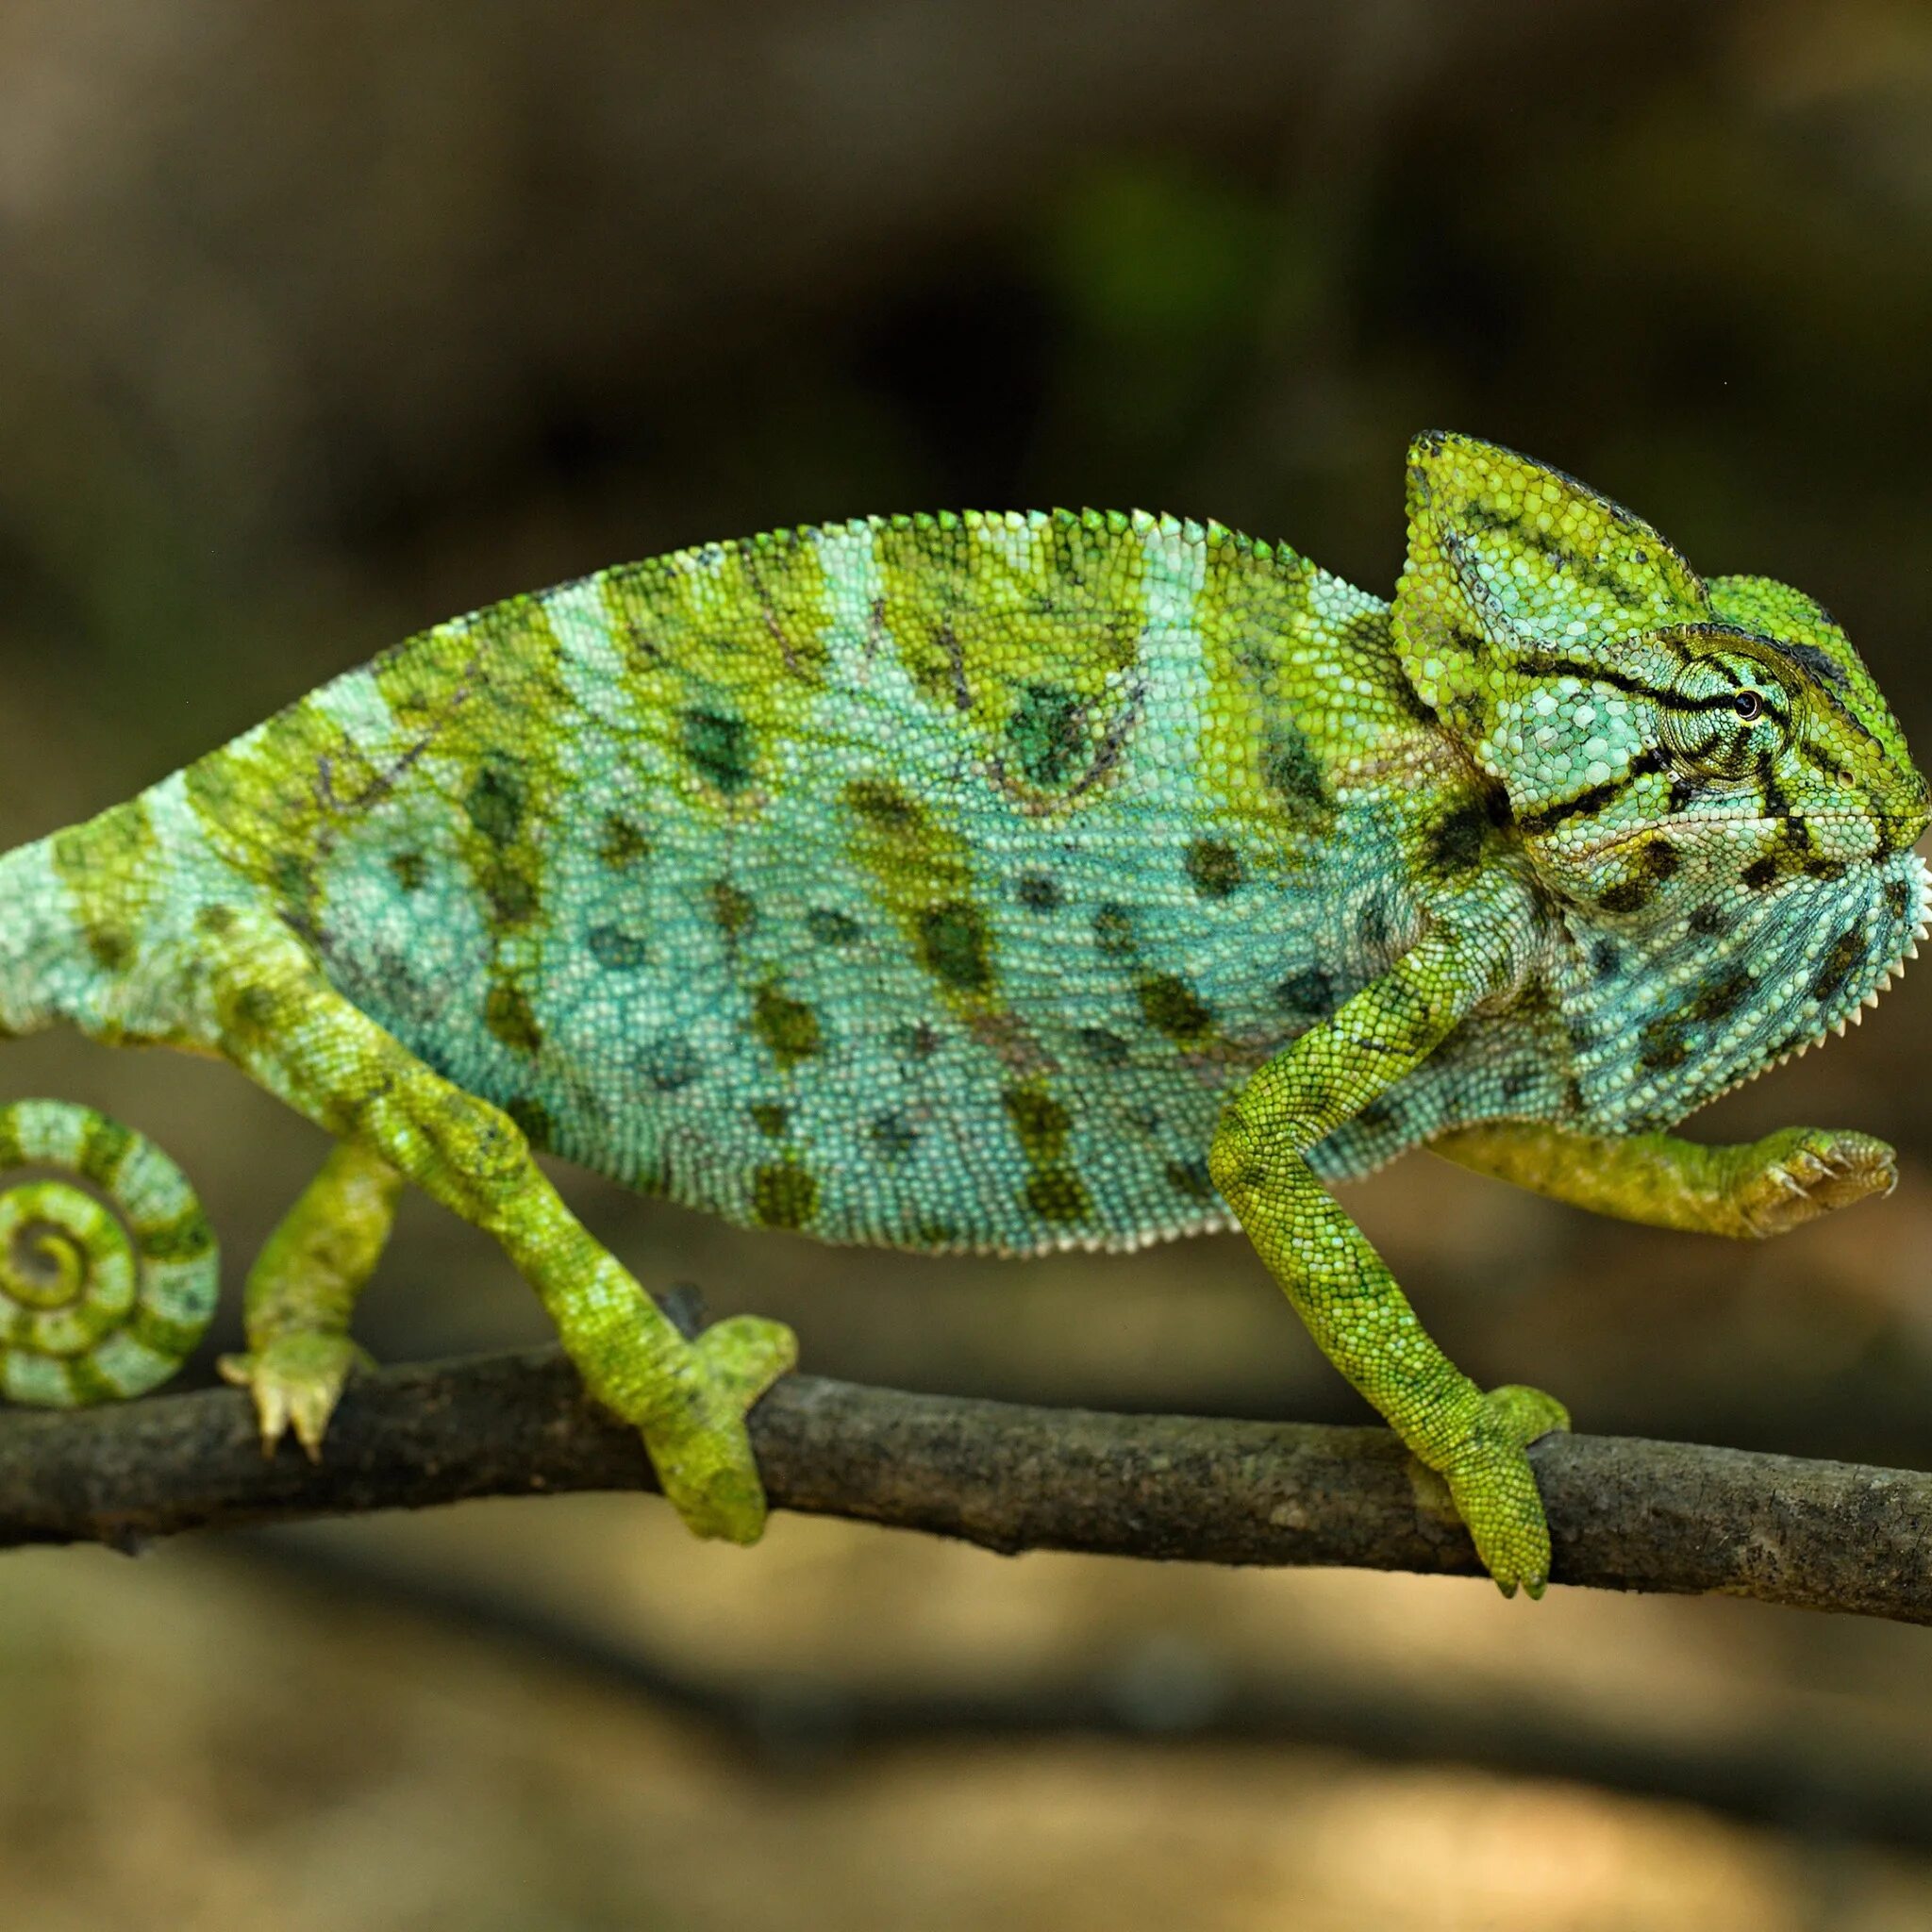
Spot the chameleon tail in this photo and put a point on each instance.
(99, 1297)
(97, 1303)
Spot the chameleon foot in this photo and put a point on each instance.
(1797, 1175)
(700, 1447)
(1494, 1489)
(297, 1381)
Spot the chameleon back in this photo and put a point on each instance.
(924, 882)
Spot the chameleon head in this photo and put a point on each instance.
(1703, 775)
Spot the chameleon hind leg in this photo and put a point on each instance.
(302, 1292)
(274, 1015)
(1758, 1189)
(1343, 1289)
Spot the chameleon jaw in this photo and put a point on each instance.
(1922, 926)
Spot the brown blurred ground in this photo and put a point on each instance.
(318, 324)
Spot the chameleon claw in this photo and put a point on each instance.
(297, 1381)
(1797, 1175)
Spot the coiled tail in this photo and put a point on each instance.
(100, 1298)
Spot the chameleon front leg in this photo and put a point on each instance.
(1758, 1188)
(272, 1014)
(1342, 1288)
(302, 1292)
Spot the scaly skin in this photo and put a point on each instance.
(999, 882)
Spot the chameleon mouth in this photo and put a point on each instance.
(1690, 822)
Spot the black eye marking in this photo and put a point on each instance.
(1748, 706)
(1821, 664)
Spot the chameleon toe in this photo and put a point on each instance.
(295, 1381)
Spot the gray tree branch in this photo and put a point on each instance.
(1626, 1514)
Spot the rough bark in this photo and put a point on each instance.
(1626, 1514)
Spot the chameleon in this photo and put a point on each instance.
(989, 882)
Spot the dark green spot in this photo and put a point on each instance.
(1723, 996)
(670, 1063)
(1172, 1007)
(254, 1013)
(1215, 867)
(533, 1120)
(1760, 872)
(1290, 770)
(1040, 893)
(1710, 921)
(732, 909)
(1048, 735)
(784, 1195)
(1605, 959)
(111, 947)
(1311, 991)
(884, 806)
(952, 944)
(1847, 953)
(1188, 1178)
(216, 920)
(508, 1015)
(720, 748)
(411, 870)
(789, 1028)
(1105, 1049)
(1662, 1045)
(495, 803)
(1657, 863)
(1059, 1195)
(511, 892)
(770, 1117)
(622, 842)
(831, 929)
(1041, 1122)
(1054, 1191)
(892, 1135)
(614, 949)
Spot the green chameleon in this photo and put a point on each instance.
(997, 883)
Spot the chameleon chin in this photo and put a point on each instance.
(985, 881)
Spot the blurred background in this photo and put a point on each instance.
(318, 324)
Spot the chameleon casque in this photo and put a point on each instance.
(995, 882)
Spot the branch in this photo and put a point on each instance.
(1626, 1514)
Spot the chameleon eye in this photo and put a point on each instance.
(1748, 706)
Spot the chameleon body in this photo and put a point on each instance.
(992, 882)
